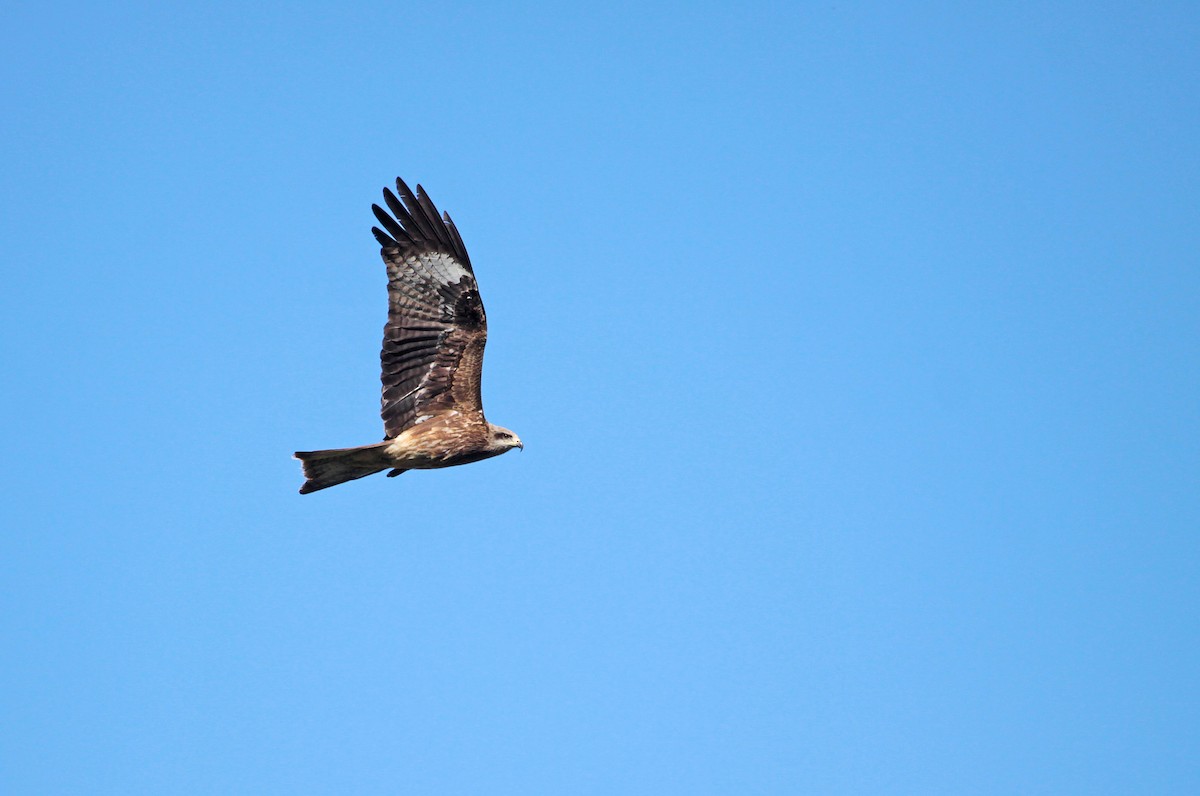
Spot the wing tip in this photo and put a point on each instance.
(414, 223)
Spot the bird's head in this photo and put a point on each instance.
(503, 439)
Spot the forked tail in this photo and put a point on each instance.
(329, 468)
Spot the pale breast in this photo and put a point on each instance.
(445, 440)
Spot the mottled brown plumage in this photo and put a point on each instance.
(432, 354)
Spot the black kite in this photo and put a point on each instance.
(432, 354)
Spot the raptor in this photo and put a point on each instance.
(432, 354)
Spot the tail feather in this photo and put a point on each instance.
(332, 467)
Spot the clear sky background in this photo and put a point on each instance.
(854, 348)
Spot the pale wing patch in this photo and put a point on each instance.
(443, 267)
(408, 275)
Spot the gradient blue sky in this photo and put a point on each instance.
(854, 347)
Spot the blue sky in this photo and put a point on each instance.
(854, 348)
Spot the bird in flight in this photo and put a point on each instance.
(432, 354)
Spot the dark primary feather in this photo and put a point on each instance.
(436, 329)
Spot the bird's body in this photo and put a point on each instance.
(432, 354)
(451, 438)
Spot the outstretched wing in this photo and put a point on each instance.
(436, 328)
